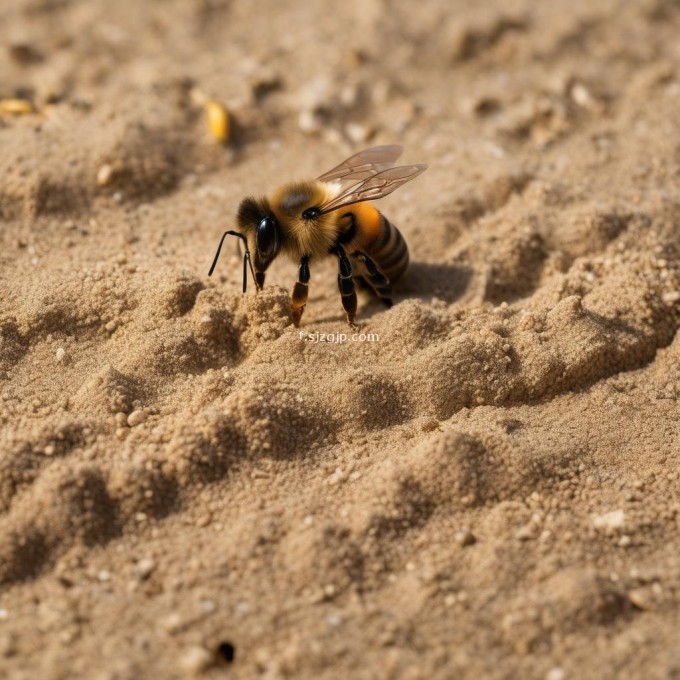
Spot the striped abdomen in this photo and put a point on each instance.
(389, 250)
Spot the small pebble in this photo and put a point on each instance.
(137, 417)
(610, 520)
(309, 122)
(172, 623)
(60, 353)
(143, 568)
(358, 133)
(203, 521)
(464, 538)
(555, 674)
(104, 175)
(195, 659)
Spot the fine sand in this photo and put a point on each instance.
(485, 486)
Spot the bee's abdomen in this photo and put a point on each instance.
(390, 251)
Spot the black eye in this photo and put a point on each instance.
(311, 213)
(268, 238)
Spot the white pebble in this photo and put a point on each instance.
(143, 568)
(309, 122)
(610, 520)
(60, 353)
(555, 674)
(195, 659)
(357, 133)
(333, 620)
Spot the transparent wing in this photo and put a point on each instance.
(364, 164)
(374, 187)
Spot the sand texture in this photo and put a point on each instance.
(486, 486)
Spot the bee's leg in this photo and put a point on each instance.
(376, 279)
(346, 284)
(300, 290)
(259, 280)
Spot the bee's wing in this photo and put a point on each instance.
(374, 187)
(364, 164)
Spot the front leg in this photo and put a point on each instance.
(299, 299)
(259, 280)
(346, 284)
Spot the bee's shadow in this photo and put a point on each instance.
(427, 282)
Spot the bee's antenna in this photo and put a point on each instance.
(246, 258)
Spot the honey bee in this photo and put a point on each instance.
(330, 216)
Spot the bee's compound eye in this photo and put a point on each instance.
(268, 237)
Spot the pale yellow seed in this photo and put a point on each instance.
(15, 107)
(218, 121)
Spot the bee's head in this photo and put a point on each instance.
(257, 220)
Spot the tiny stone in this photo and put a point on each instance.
(555, 674)
(640, 598)
(195, 660)
(104, 175)
(309, 122)
(137, 417)
(526, 533)
(610, 520)
(464, 538)
(4, 614)
(172, 623)
(203, 521)
(104, 575)
(143, 568)
(333, 620)
(60, 353)
(358, 133)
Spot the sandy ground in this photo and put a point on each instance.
(487, 489)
